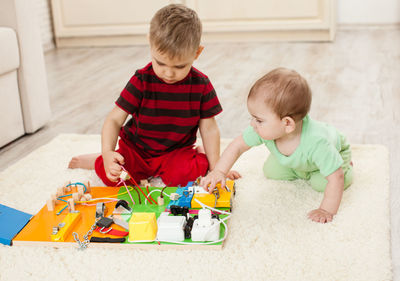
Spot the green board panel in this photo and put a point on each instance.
(147, 207)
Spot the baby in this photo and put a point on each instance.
(300, 147)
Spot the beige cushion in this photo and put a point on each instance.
(20, 15)
(11, 123)
(9, 56)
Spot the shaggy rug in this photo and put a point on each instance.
(269, 238)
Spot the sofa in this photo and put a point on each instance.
(24, 96)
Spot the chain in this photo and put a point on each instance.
(85, 243)
(216, 194)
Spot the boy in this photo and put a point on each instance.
(168, 100)
(300, 147)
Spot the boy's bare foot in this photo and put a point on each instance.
(84, 161)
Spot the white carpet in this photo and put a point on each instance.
(269, 237)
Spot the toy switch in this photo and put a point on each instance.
(171, 228)
(204, 218)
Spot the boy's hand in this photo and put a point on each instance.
(233, 175)
(213, 177)
(320, 215)
(112, 165)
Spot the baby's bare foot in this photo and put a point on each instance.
(84, 161)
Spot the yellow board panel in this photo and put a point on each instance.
(70, 220)
(224, 200)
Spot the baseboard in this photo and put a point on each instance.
(48, 46)
(369, 26)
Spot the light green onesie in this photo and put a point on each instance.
(322, 150)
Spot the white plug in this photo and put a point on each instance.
(205, 228)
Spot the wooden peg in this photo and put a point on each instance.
(54, 198)
(71, 204)
(88, 187)
(60, 191)
(75, 196)
(81, 190)
(160, 200)
(144, 182)
(124, 176)
(67, 187)
(50, 204)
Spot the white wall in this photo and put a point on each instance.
(349, 12)
(368, 11)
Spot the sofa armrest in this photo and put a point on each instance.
(20, 15)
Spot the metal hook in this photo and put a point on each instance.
(105, 232)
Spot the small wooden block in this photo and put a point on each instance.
(88, 188)
(50, 205)
(174, 196)
(124, 176)
(75, 196)
(160, 200)
(71, 204)
(144, 182)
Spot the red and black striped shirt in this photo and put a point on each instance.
(165, 116)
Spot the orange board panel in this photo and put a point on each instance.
(40, 227)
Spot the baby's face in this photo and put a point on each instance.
(265, 122)
(171, 70)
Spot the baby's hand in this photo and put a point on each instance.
(233, 175)
(112, 165)
(213, 177)
(320, 215)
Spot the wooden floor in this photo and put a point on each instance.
(355, 83)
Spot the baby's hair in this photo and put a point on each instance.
(175, 30)
(285, 91)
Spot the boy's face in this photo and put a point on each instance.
(171, 70)
(265, 122)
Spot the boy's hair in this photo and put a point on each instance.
(285, 91)
(175, 30)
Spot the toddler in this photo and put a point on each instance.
(168, 101)
(300, 147)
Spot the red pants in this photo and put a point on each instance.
(177, 167)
